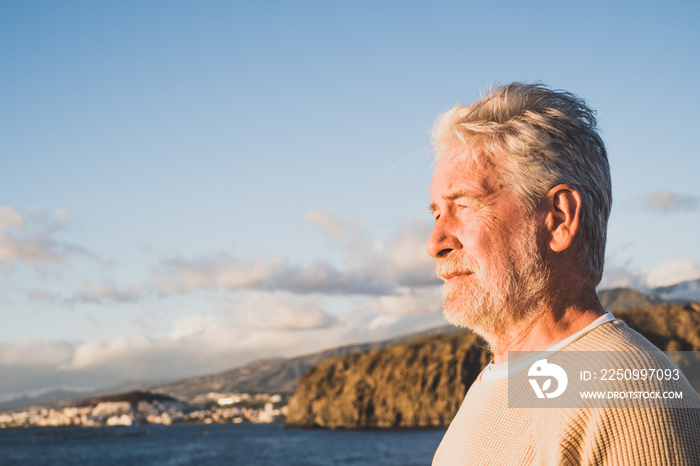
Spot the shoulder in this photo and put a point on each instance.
(649, 436)
(613, 335)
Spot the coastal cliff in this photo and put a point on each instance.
(421, 383)
(414, 384)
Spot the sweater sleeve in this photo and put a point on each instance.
(632, 436)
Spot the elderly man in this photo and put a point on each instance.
(521, 196)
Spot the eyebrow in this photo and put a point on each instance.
(456, 195)
(463, 193)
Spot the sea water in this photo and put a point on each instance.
(216, 444)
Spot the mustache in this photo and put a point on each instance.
(453, 265)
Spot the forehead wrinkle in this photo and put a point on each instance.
(475, 178)
(485, 174)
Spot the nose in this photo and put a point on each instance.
(442, 241)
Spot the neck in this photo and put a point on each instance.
(550, 325)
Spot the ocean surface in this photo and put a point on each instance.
(216, 444)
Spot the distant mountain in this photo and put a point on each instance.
(60, 398)
(623, 299)
(48, 398)
(273, 375)
(132, 396)
(688, 291)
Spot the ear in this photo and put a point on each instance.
(563, 213)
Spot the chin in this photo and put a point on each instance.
(460, 306)
(457, 319)
(475, 307)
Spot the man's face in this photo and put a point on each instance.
(486, 246)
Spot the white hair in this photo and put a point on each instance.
(545, 137)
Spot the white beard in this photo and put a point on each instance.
(492, 307)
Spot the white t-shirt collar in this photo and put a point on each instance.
(494, 372)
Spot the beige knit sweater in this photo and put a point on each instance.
(486, 431)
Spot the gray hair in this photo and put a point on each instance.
(545, 137)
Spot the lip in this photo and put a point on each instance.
(451, 276)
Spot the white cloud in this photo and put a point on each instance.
(409, 301)
(113, 351)
(9, 217)
(666, 201)
(258, 325)
(404, 259)
(347, 232)
(34, 366)
(670, 273)
(32, 239)
(621, 277)
(373, 270)
(224, 272)
(102, 293)
(206, 273)
(401, 259)
(382, 321)
(391, 325)
(110, 293)
(319, 277)
(64, 214)
(330, 224)
(279, 311)
(646, 279)
(197, 324)
(376, 269)
(41, 295)
(34, 352)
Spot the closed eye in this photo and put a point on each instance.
(434, 210)
(468, 203)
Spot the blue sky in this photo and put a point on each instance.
(187, 186)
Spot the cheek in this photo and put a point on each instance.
(478, 227)
(478, 244)
(492, 255)
(470, 236)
